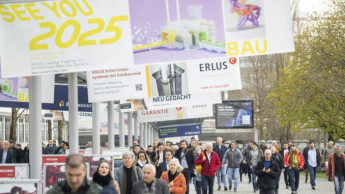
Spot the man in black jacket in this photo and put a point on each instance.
(164, 166)
(267, 171)
(186, 158)
(312, 161)
(280, 161)
(220, 149)
(282, 153)
(6, 154)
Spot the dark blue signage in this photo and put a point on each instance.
(177, 131)
(60, 100)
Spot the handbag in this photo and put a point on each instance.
(198, 167)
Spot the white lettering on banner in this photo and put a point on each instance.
(213, 66)
(9, 170)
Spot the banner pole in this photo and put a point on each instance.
(35, 127)
(121, 130)
(73, 113)
(130, 129)
(96, 125)
(141, 130)
(111, 130)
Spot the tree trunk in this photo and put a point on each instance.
(50, 130)
(13, 126)
(60, 128)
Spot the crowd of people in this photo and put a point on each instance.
(168, 168)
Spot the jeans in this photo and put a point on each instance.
(255, 185)
(221, 174)
(186, 172)
(277, 183)
(233, 174)
(286, 178)
(197, 183)
(207, 181)
(266, 191)
(294, 178)
(338, 184)
(312, 171)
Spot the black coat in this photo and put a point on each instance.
(280, 161)
(160, 169)
(305, 155)
(267, 180)
(220, 151)
(11, 158)
(189, 157)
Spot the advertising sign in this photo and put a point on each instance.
(17, 89)
(258, 27)
(53, 159)
(54, 173)
(7, 171)
(235, 114)
(165, 31)
(167, 79)
(64, 36)
(60, 100)
(94, 160)
(32, 186)
(173, 101)
(196, 111)
(177, 131)
(14, 171)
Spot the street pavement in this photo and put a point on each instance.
(322, 187)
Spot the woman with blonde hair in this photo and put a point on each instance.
(174, 178)
(142, 159)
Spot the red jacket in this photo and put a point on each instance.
(300, 159)
(331, 165)
(209, 169)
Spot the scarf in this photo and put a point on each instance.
(141, 164)
(172, 176)
(124, 179)
(101, 180)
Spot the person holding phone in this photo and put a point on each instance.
(267, 171)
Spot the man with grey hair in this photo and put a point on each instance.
(336, 168)
(76, 181)
(210, 163)
(220, 149)
(127, 174)
(328, 151)
(150, 184)
(267, 171)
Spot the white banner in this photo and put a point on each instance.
(21, 186)
(258, 27)
(163, 102)
(169, 79)
(64, 36)
(196, 111)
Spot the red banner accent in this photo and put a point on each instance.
(7, 171)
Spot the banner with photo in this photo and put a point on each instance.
(189, 112)
(258, 27)
(64, 36)
(17, 89)
(170, 101)
(168, 79)
(166, 31)
(32, 186)
(54, 173)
